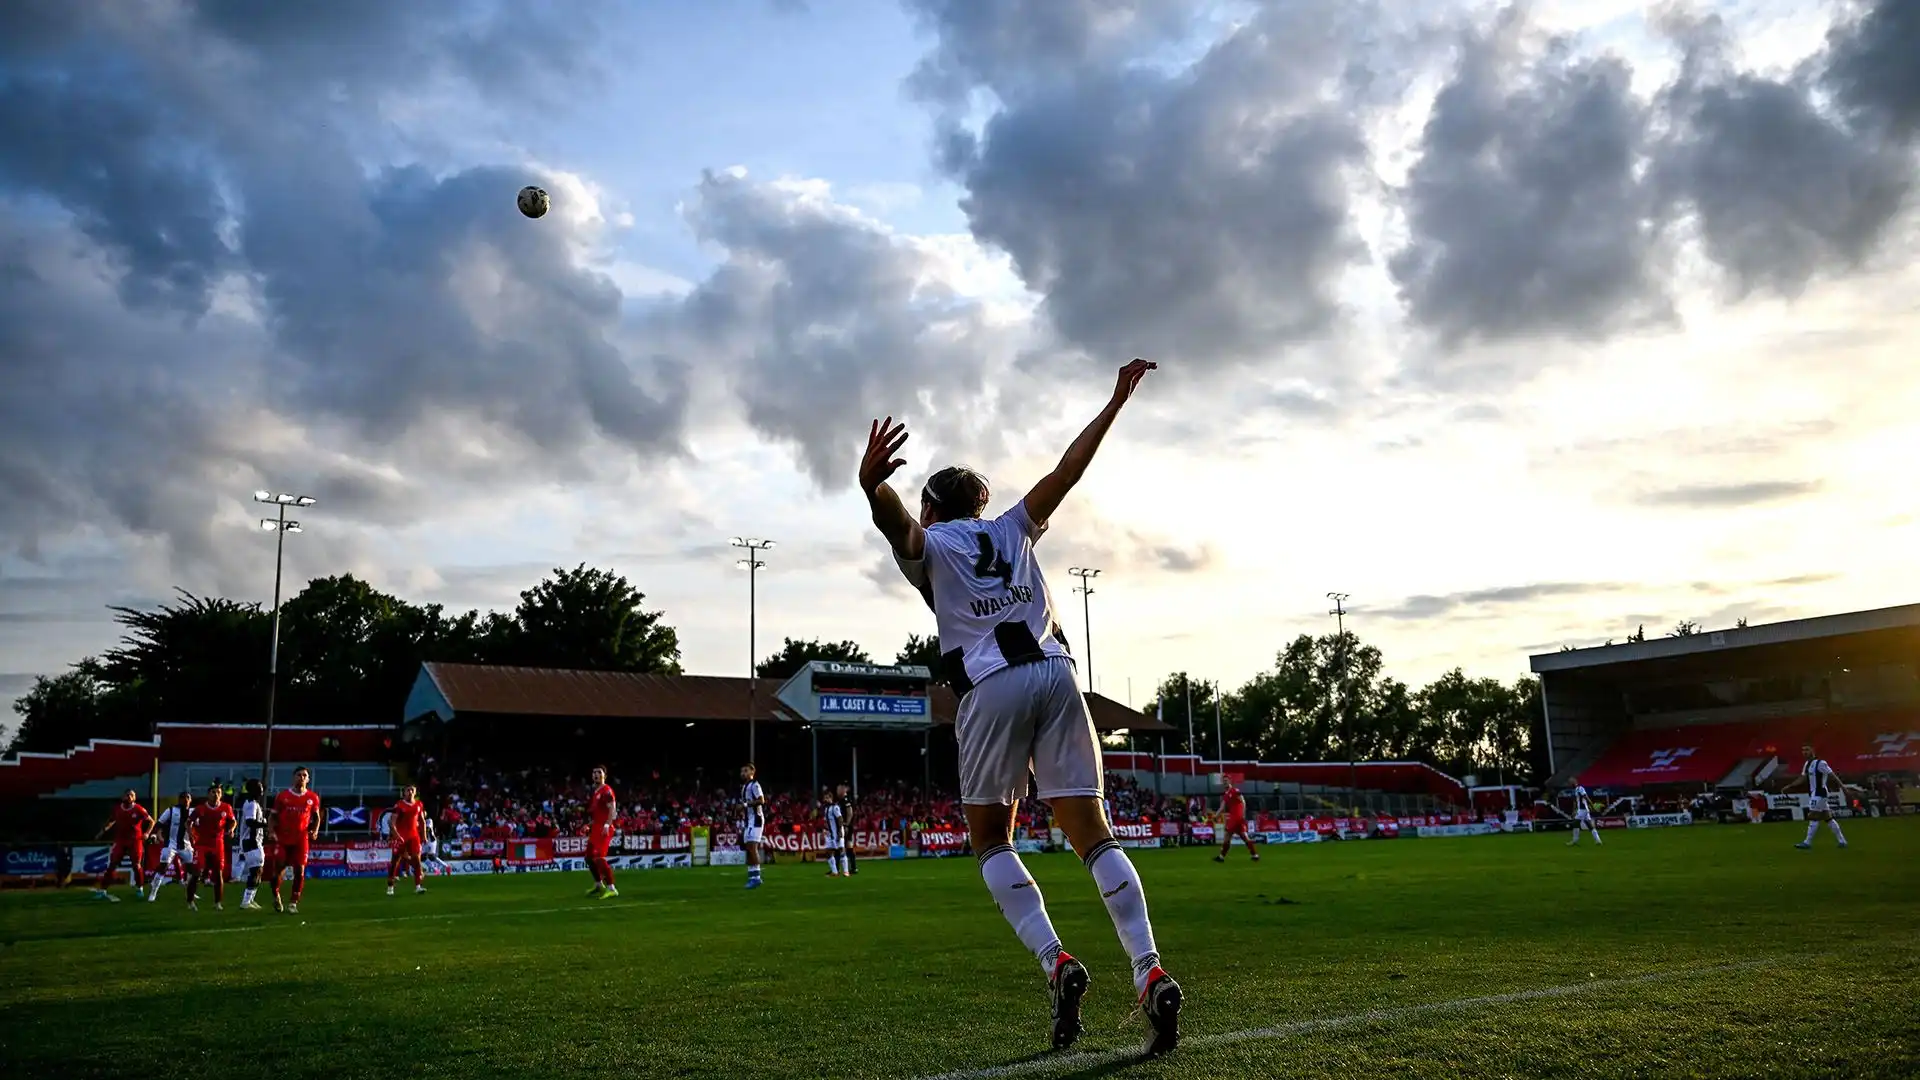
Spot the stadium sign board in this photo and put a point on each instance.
(836, 695)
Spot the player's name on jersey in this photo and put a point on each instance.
(864, 703)
(987, 606)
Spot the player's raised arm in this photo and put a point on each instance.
(1047, 495)
(890, 516)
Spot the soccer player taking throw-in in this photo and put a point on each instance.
(1020, 707)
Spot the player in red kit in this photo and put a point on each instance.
(405, 823)
(129, 827)
(1233, 807)
(600, 809)
(213, 824)
(296, 823)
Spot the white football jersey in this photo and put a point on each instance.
(833, 821)
(173, 829)
(253, 825)
(1580, 801)
(1816, 772)
(990, 602)
(755, 815)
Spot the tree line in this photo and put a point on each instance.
(350, 653)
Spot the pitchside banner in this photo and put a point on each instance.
(941, 842)
(1653, 821)
(34, 864)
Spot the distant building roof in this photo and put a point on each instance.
(1709, 641)
(450, 689)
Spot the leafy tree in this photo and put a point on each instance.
(200, 659)
(63, 711)
(1173, 696)
(794, 654)
(920, 650)
(589, 619)
(1740, 625)
(1684, 628)
(1639, 634)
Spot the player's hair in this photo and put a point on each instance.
(956, 492)
(215, 786)
(253, 787)
(303, 769)
(598, 769)
(186, 795)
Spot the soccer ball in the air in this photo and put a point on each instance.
(533, 201)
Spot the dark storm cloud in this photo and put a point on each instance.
(1526, 209)
(827, 321)
(1871, 65)
(1429, 607)
(1779, 188)
(1202, 213)
(211, 147)
(1728, 496)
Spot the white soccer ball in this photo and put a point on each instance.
(533, 201)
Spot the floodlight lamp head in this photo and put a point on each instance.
(737, 542)
(304, 500)
(268, 524)
(263, 496)
(291, 526)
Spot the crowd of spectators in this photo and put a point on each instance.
(535, 801)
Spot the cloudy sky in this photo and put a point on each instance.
(1521, 324)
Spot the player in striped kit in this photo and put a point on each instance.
(176, 844)
(253, 842)
(1021, 709)
(1583, 816)
(753, 821)
(836, 829)
(1823, 785)
(430, 847)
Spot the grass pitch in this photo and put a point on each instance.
(1709, 951)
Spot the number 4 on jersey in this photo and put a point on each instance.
(991, 563)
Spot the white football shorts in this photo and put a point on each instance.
(1029, 717)
(184, 854)
(750, 834)
(254, 859)
(1816, 803)
(1584, 817)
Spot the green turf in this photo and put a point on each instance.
(1711, 951)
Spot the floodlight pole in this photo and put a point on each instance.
(1339, 614)
(1085, 589)
(753, 564)
(280, 527)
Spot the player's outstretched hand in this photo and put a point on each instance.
(1129, 378)
(884, 440)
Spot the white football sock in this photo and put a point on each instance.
(1813, 829)
(1126, 904)
(1834, 824)
(1019, 900)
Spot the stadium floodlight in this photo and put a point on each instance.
(1085, 589)
(1339, 614)
(280, 526)
(753, 564)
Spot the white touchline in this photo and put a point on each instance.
(1096, 1059)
